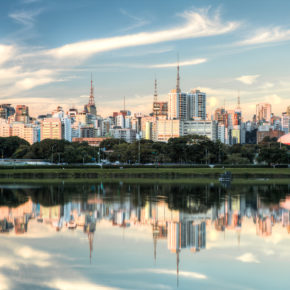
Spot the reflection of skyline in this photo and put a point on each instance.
(182, 230)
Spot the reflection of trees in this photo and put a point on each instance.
(191, 198)
(12, 197)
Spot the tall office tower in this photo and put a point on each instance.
(288, 111)
(6, 110)
(177, 102)
(51, 128)
(221, 116)
(196, 104)
(263, 112)
(22, 114)
(90, 108)
(159, 108)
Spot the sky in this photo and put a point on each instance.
(49, 48)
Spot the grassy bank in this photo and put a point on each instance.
(97, 173)
(182, 180)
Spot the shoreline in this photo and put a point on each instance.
(143, 173)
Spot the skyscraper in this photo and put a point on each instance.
(6, 110)
(22, 114)
(196, 104)
(263, 112)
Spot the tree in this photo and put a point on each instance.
(8, 145)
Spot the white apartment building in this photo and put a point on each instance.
(128, 135)
(200, 127)
(196, 104)
(177, 105)
(166, 129)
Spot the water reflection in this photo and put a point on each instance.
(182, 215)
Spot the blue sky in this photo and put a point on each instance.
(48, 50)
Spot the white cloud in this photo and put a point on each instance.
(183, 63)
(248, 79)
(29, 83)
(275, 34)
(273, 99)
(76, 285)
(29, 255)
(6, 53)
(267, 85)
(198, 24)
(192, 275)
(248, 258)
(4, 285)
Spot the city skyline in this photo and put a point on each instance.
(225, 49)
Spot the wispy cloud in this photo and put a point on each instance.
(183, 63)
(138, 22)
(270, 35)
(197, 24)
(248, 79)
(25, 17)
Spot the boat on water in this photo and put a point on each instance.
(226, 177)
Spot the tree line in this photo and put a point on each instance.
(191, 149)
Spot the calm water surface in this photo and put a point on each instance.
(125, 235)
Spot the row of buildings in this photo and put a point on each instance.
(183, 114)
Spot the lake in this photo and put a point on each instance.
(127, 234)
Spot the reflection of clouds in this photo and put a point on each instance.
(7, 262)
(191, 275)
(76, 285)
(248, 258)
(4, 285)
(29, 253)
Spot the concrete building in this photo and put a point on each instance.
(263, 112)
(200, 127)
(196, 104)
(22, 114)
(67, 128)
(5, 128)
(6, 110)
(166, 129)
(51, 128)
(178, 107)
(27, 132)
(128, 135)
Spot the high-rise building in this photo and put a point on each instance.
(5, 128)
(6, 110)
(51, 128)
(177, 105)
(27, 132)
(196, 104)
(221, 116)
(263, 112)
(22, 114)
